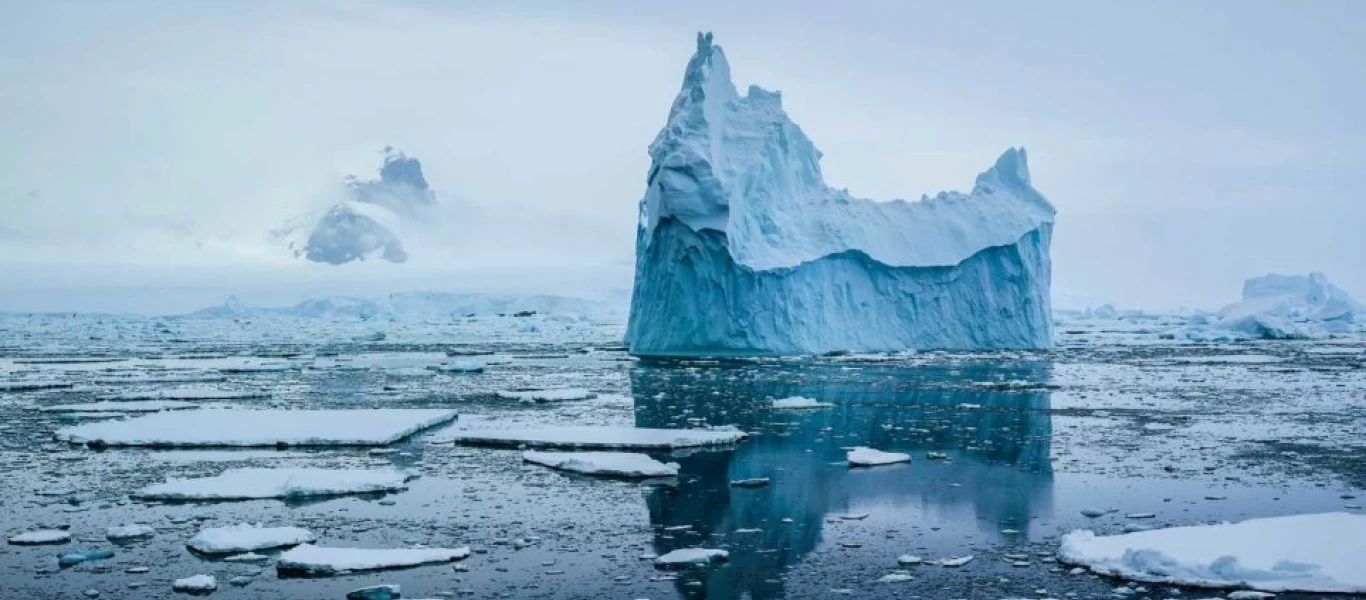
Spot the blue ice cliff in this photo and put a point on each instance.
(364, 224)
(741, 247)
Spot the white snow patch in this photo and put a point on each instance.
(600, 437)
(861, 456)
(253, 484)
(613, 464)
(197, 583)
(372, 427)
(1308, 553)
(126, 532)
(42, 536)
(317, 560)
(245, 537)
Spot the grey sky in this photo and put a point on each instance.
(1187, 145)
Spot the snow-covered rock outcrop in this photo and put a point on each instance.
(743, 249)
(364, 225)
(1291, 306)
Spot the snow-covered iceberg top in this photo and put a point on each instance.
(1308, 553)
(738, 164)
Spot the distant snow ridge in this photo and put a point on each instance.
(1291, 307)
(364, 225)
(742, 248)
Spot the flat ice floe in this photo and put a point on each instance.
(610, 464)
(255, 484)
(42, 536)
(315, 560)
(799, 403)
(240, 428)
(1306, 553)
(691, 557)
(33, 386)
(868, 457)
(128, 532)
(146, 379)
(600, 437)
(117, 407)
(245, 537)
(190, 393)
(560, 395)
(197, 583)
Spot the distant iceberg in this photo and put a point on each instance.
(1291, 307)
(743, 249)
(365, 225)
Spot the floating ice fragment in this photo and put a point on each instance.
(611, 464)
(861, 456)
(245, 537)
(254, 483)
(691, 557)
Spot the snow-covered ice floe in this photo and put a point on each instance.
(610, 464)
(41, 536)
(691, 557)
(316, 560)
(246, 537)
(600, 437)
(33, 386)
(129, 532)
(742, 248)
(799, 403)
(195, 584)
(560, 395)
(362, 427)
(1306, 553)
(190, 393)
(255, 484)
(867, 457)
(460, 366)
(117, 407)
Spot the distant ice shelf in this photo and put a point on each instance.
(742, 249)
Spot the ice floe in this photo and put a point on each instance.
(128, 532)
(600, 437)
(41, 536)
(798, 402)
(560, 395)
(189, 393)
(246, 537)
(691, 557)
(867, 457)
(121, 407)
(611, 464)
(318, 560)
(196, 583)
(253, 484)
(1308, 553)
(372, 427)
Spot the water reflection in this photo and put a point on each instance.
(997, 441)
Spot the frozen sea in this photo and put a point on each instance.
(1009, 449)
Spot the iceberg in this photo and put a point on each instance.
(742, 249)
(1291, 307)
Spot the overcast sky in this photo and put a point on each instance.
(1187, 145)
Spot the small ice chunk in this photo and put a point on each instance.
(752, 482)
(254, 484)
(1249, 595)
(560, 395)
(461, 366)
(897, 577)
(799, 403)
(245, 537)
(909, 559)
(250, 557)
(954, 562)
(867, 457)
(1092, 513)
(318, 560)
(375, 592)
(612, 464)
(127, 532)
(197, 583)
(691, 557)
(71, 559)
(42, 536)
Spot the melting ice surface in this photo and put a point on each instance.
(743, 249)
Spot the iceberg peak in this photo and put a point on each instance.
(735, 190)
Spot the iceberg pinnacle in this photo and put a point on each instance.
(742, 248)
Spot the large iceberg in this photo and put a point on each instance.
(1291, 307)
(742, 248)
